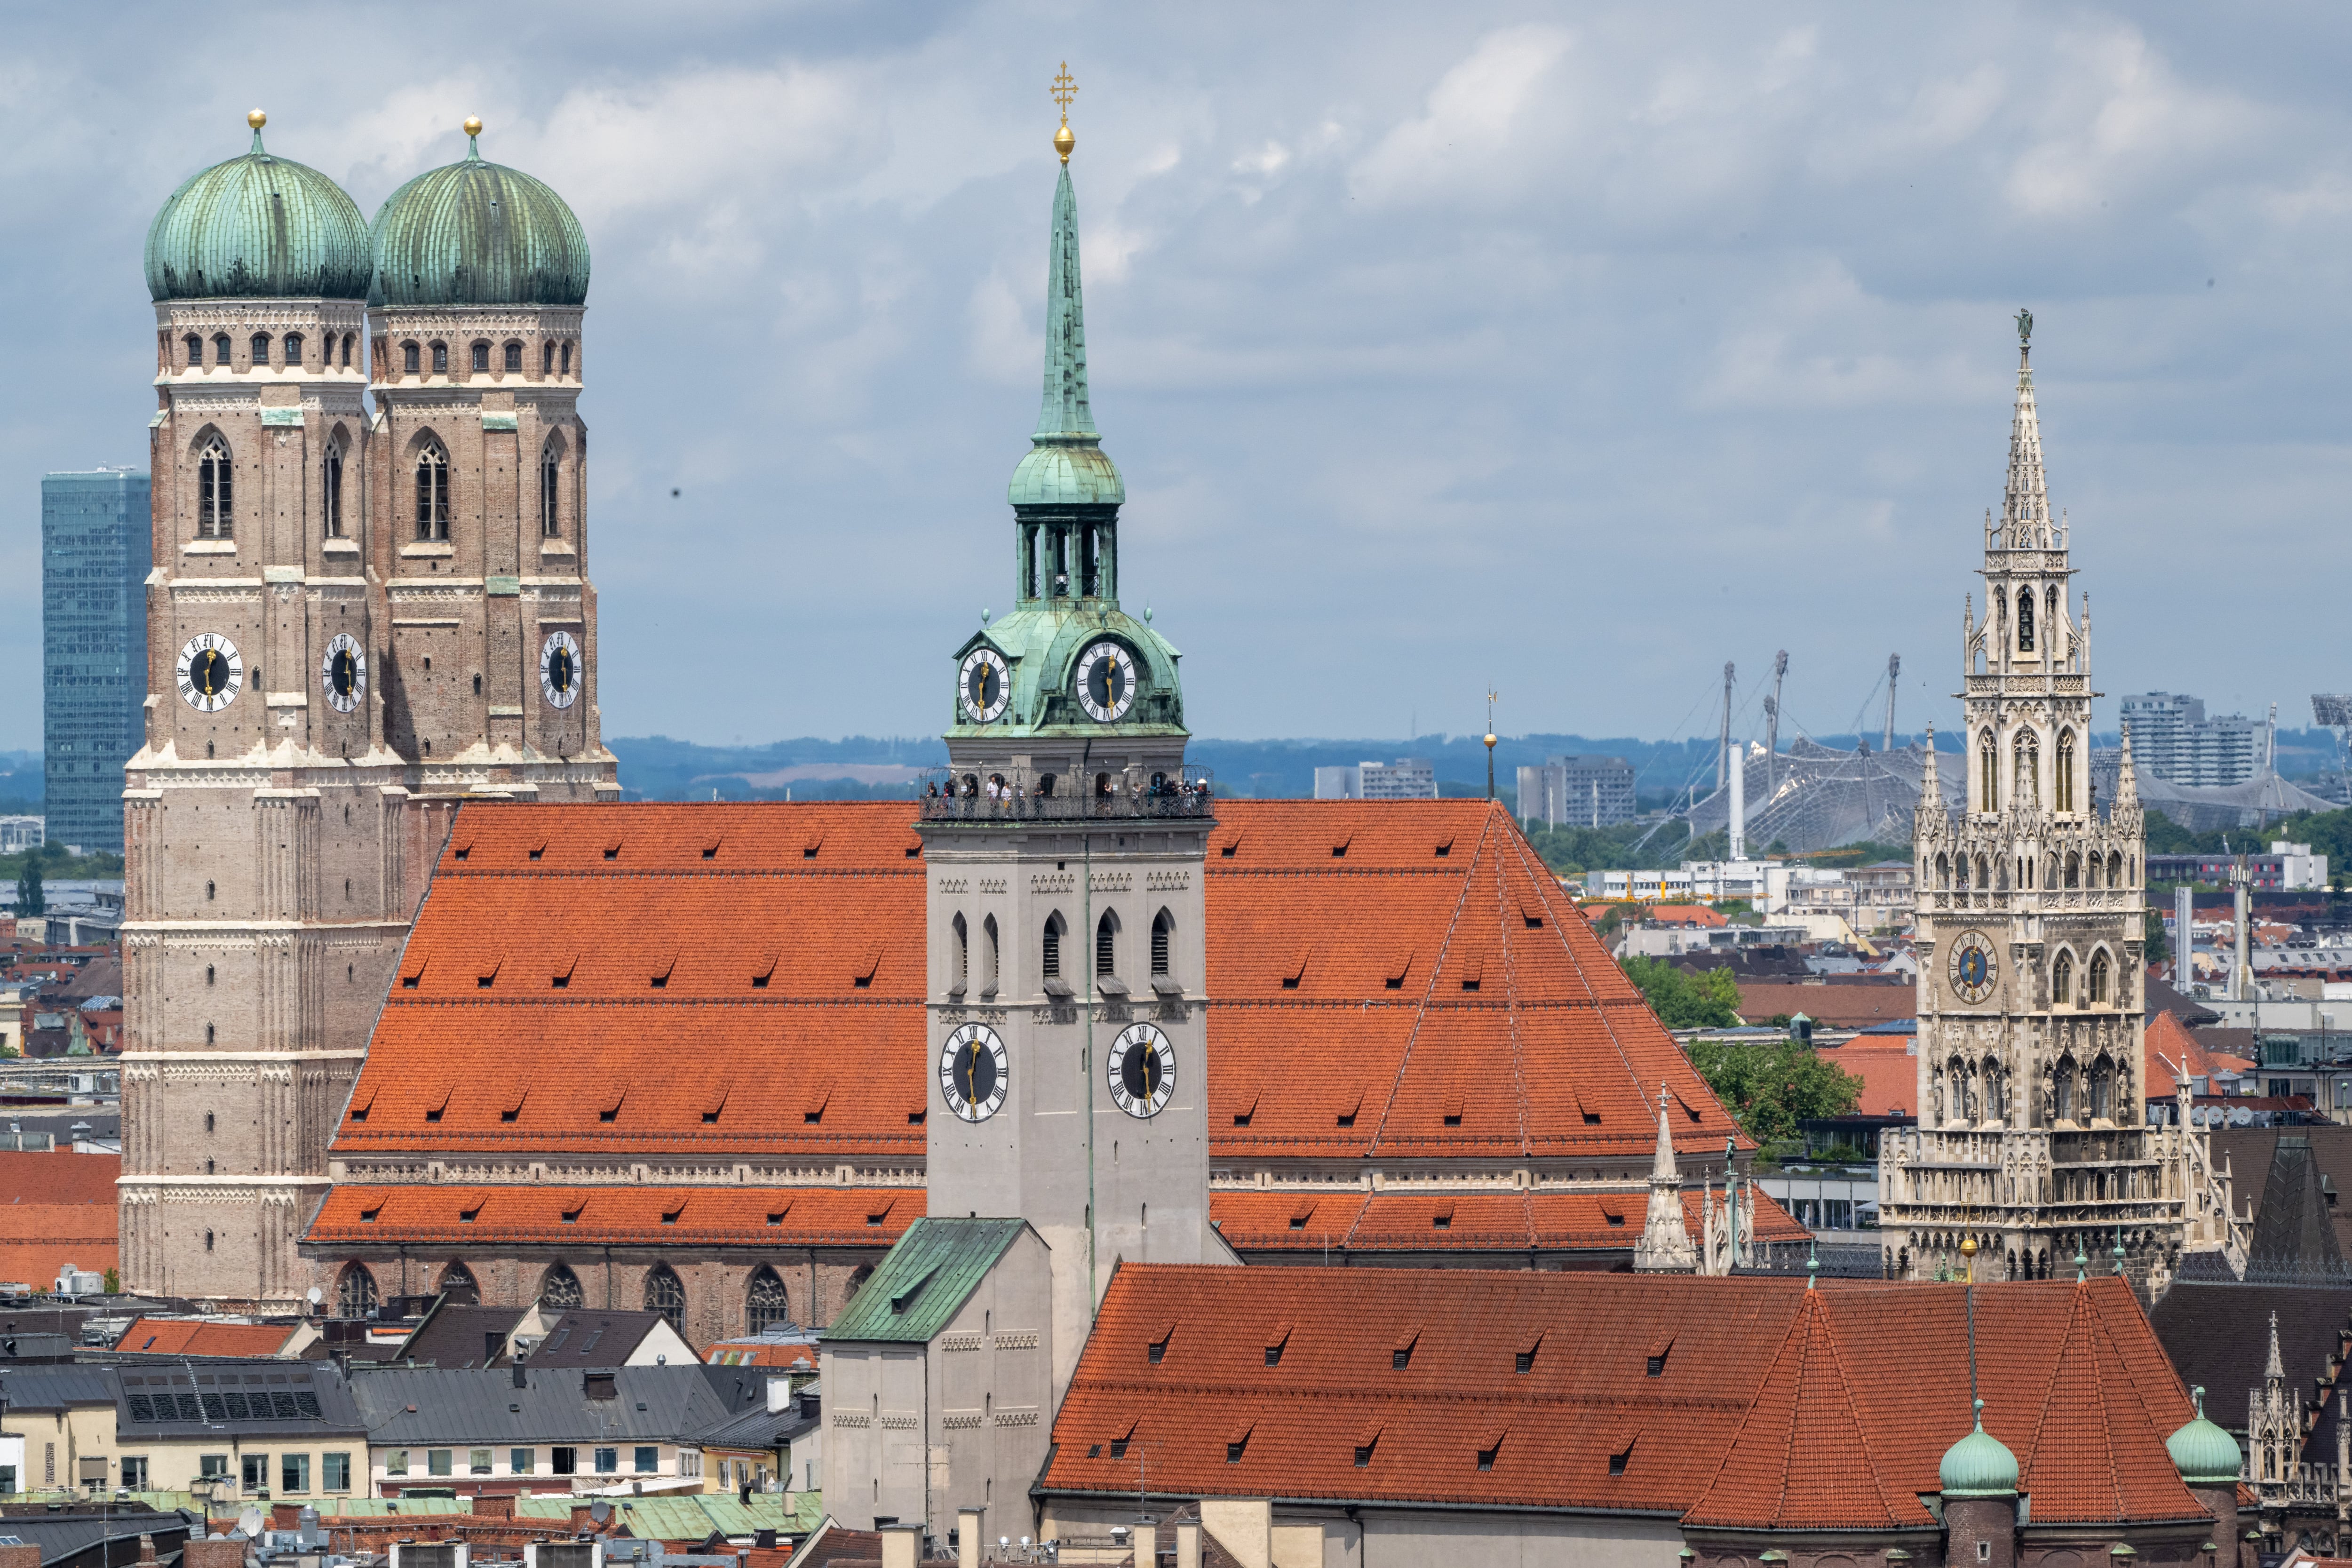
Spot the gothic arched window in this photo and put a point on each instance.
(551, 491)
(2063, 1086)
(962, 972)
(2096, 992)
(2091, 870)
(432, 492)
(293, 350)
(2062, 977)
(2028, 776)
(408, 360)
(665, 1294)
(440, 358)
(355, 1293)
(2065, 778)
(331, 490)
(765, 1304)
(2025, 620)
(2114, 868)
(1053, 947)
(1107, 945)
(1943, 870)
(216, 491)
(261, 350)
(2073, 869)
(514, 357)
(560, 1287)
(2103, 1085)
(1163, 929)
(221, 350)
(195, 352)
(1988, 773)
(457, 1284)
(547, 359)
(988, 956)
(567, 359)
(1996, 1092)
(347, 348)
(481, 356)
(2050, 621)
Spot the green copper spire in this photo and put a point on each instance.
(1066, 464)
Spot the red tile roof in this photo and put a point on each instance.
(1890, 1079)
(181, 1336)
(769, 957)
(1833, 1006)
(1685, 915)
(56, 1209)
(45, 1178)
(2167, 1043)
(2079, 1389)
(685, 1217)
(1353, 1220)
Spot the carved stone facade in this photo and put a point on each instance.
(2033, 1136)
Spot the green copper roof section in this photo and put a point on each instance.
(259, 226)
(1978, 1465)
(2204, 1454)
(478, 233)
(1067, 465)
(924, 1281)
(1042, 643)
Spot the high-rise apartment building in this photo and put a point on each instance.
(2172, 739)
(95, 556)
(1407, 778)
(1578, 792)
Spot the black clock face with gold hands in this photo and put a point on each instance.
(972, 1072)
(210, 672)
(1142, 1070)
(1106, 682)
(986, 685)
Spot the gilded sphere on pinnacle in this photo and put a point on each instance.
(1063, 142)
(256, 118)
(1968, 1247)
(1490, 740)
(473, 125)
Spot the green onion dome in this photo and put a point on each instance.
(259, 226)
(2204, 1454)
(478, 233)
(1978, 1465)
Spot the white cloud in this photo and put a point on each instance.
(1469, 131)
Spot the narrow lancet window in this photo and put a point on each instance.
(215, 490)
(431, 493)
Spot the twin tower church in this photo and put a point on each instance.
(1069, 1009)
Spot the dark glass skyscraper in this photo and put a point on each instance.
(96, 550)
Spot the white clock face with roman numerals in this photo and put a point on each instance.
(1106, 682)
(559, 669)
(973, 1072)
(211, 672)
(1142, 1070)
(985, 686)
(343, 674)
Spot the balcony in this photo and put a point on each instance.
(1187, 792)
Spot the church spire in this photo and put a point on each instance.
(2025, 506)
(1665, 1244)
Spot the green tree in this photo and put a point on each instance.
(114, 1283)
(1708, 999)
(1771, 1086)
(29, 899)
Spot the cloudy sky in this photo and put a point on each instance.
(1573, 351)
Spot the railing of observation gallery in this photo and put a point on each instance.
(968, 797)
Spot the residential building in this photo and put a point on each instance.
(1644, 886)
(18, 834)
(65, 1413)
(777, 1446)
(96, 551)
(1407, 778)
(2172, 739)
(501, 1431)
(1577, 792)
(2286, 867)
(274, 1430)
(369, 602)
(2031, 909)
(1882, 895)
(1759, 882)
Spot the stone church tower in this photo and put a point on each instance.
(315, 558)
(2033, 1136)
(1065, 916)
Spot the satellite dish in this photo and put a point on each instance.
(314, 1295)
(249, 1522)
(600, 1510)
(2242, 1116)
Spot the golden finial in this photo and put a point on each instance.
(1065, 88)
(256, 118)
(473, 125)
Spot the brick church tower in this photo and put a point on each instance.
(315, 558)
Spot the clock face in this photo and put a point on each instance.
(986, 686)
(344, 674)
(211, 672)
(559, 669)
(1974, 967)
(1142, 1069)
(972, 1072)
(1106, 681)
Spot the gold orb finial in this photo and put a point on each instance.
(1968, 1247)
(256, 118)
(1063, 142)
(473, 125)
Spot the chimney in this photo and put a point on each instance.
(972, 1546)
(146, 1550)
(519, 1380)
(902, 1545)
(780, 1394)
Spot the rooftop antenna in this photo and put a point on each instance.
(1894, 669)
(1722, 747)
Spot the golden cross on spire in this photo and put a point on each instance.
(1065, 87)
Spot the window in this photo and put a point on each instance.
(567, 359)
(2065, 777)
(564, 1462)
(216, 491)
(649, 1460)
(1052, 954)
(347, 348)
(293, 1472)
(560, 1288)
(514, 357)
(960, 966)
(134, 1473)
(212, 1467)
(1162, 925)
(331, 490)
(1364, 1453)
(551, 494)
(221, 350)
(440, 358)
(440, 1461)
(547, 359)
(988, 956)
(293, 350)
(1107, 945)
(1525, 1362)
(2096, 992)
(432, 492)
(261, 350)
(1617, 1462)
(256, 1469)
(1988, 774)
(408, 358)
(664, 1294)
(2025, 620)
(2029, 769)
(2103, 1078)
(1156, 1352)
(2061, 978)
(478, 1462)
(522, 1461)
(481, 356)
(608, 1461)
(766, 1305)
(335, 1472)
(355, 1297)
(1236, 1448)
(195, 352)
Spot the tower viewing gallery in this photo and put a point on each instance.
(2034, 1150)
(369, 602)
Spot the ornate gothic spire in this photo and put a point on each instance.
(2025, 506)
(2126, 779)
(1665, 1244)
(1067, 465)
(2273, 1371)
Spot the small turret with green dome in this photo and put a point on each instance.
(2204, 1454)
(1978, 1465)
(259, 226)
(478, 233)
(1069, 666)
